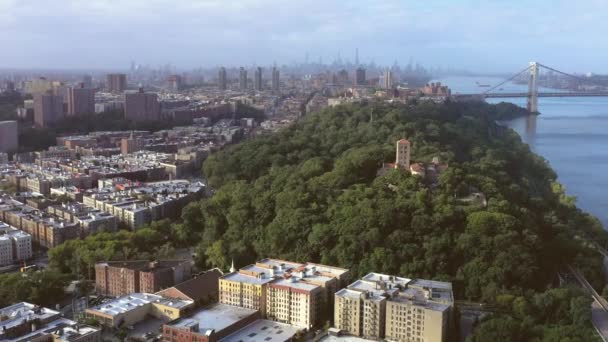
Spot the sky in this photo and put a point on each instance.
(490, 35)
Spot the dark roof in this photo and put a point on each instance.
(193, 288)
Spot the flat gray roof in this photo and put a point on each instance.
(243, 278)
(263, 330)
(344, 338)
(214, 317)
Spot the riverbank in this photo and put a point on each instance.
(570, 133)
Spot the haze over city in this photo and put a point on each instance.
(473, 35)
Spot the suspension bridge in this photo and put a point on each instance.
(533, 72)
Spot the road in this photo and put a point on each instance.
(599, 307)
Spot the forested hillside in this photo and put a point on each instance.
(310, 193)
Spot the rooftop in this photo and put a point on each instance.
(263, 330)
(133, 301)
(295, 283)
(214, 317)
(16, 313)
(244, 278)
(434, 295)
(143, 265)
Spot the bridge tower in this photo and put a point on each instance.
(533, 88)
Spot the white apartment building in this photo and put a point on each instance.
(15, 245)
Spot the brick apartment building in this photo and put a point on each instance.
(119, 278)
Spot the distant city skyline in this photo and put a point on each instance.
(487, 37)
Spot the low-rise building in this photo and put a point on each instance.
(28, 322)
(201, 289)
(209, 324)
(90, 220)
(136, 307)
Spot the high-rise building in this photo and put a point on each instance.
(175, 82)
(116, 83)
(141, 106)
(257, 84)
(360, 76)
(81, 100)
(243, 79)
(275, 79)
(222, 81)
(48, 108)
(388, 79)
(381, 306)
(343, 77)
(283, 291)
(88, 81)
(9, 136)
(403, 151)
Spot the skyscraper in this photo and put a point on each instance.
(243, 79)
(360, 76)
(221, 77)
(342, 77)
(48, 108)
(142, 106)
(258, 79)
(275, 79)
(357, 56)
(87, 80)
(81, 100)
(116, 83)
(388, 79)
(175, 82)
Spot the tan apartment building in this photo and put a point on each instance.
(288, 292)
(380, 306)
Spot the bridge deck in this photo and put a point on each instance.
(553, 94)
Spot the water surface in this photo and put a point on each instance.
(571, 133)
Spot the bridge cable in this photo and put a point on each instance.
(507, 80)
(569, 75)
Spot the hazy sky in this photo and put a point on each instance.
(486, 35)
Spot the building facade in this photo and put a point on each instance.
(283, 291)
(222, 79)
(276, 78)
(242, 79)
(403, 153)
(48, 108)
(119, 278)
(360, 77)
(81, 100)
(141, 106)
(258, 82)
(381, 306)
(9, 141)
(116, 83)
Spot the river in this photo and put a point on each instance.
(570, 133)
